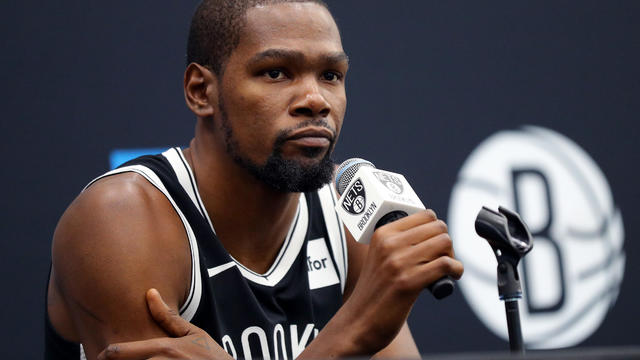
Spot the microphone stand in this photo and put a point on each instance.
(513, 313)
(510, 240)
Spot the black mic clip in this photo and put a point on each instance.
(510, 240)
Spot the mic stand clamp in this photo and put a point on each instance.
(510, 240)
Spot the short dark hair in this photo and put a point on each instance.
(215, 29)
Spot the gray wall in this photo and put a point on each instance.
(429, 80)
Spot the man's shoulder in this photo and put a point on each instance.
(121, 189)
(112, 211)
(117, 194)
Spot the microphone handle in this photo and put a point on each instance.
(441, 288)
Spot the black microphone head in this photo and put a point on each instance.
(347, 170)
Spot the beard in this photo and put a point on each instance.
(284, 175)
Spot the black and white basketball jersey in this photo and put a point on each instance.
(268, 316)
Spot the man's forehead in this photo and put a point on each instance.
(276, 24)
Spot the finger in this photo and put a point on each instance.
(422, 232)
(424, 252)
(166, 317)
(421, 276)
(412, 220)
(135, 350)
(441, 267)
(428, 250)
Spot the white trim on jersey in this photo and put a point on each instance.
(335, 230)
(288, 252)
(220, 268)
(291, 246)
(188, 309)
(187, 179)
(183, 173)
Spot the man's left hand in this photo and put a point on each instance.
(187, 341)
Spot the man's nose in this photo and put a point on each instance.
(310, 102)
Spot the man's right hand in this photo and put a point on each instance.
(403, 258)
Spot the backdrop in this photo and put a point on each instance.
(439, 91)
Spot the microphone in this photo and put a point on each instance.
(370, 198)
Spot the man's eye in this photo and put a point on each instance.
(274, 74)
(331, 76)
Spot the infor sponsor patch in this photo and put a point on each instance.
(320, 267)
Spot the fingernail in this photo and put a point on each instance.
(151, 292)
(160, 296)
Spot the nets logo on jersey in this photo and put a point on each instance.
(390, 181)
(572, 276)
(355, 198)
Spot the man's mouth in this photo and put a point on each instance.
(312, 137)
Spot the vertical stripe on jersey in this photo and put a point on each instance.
(335, 230)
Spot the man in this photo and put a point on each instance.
(226, 230)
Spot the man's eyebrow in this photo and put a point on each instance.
(294, 55)
(337, 57)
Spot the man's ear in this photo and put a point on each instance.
(201, 90)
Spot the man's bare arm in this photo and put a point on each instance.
(187, 341)
(384, 281)
(119, 238)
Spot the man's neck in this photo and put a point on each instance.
(251, 219)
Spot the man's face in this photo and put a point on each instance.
(282, 95)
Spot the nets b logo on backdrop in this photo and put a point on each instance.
(573, 274)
